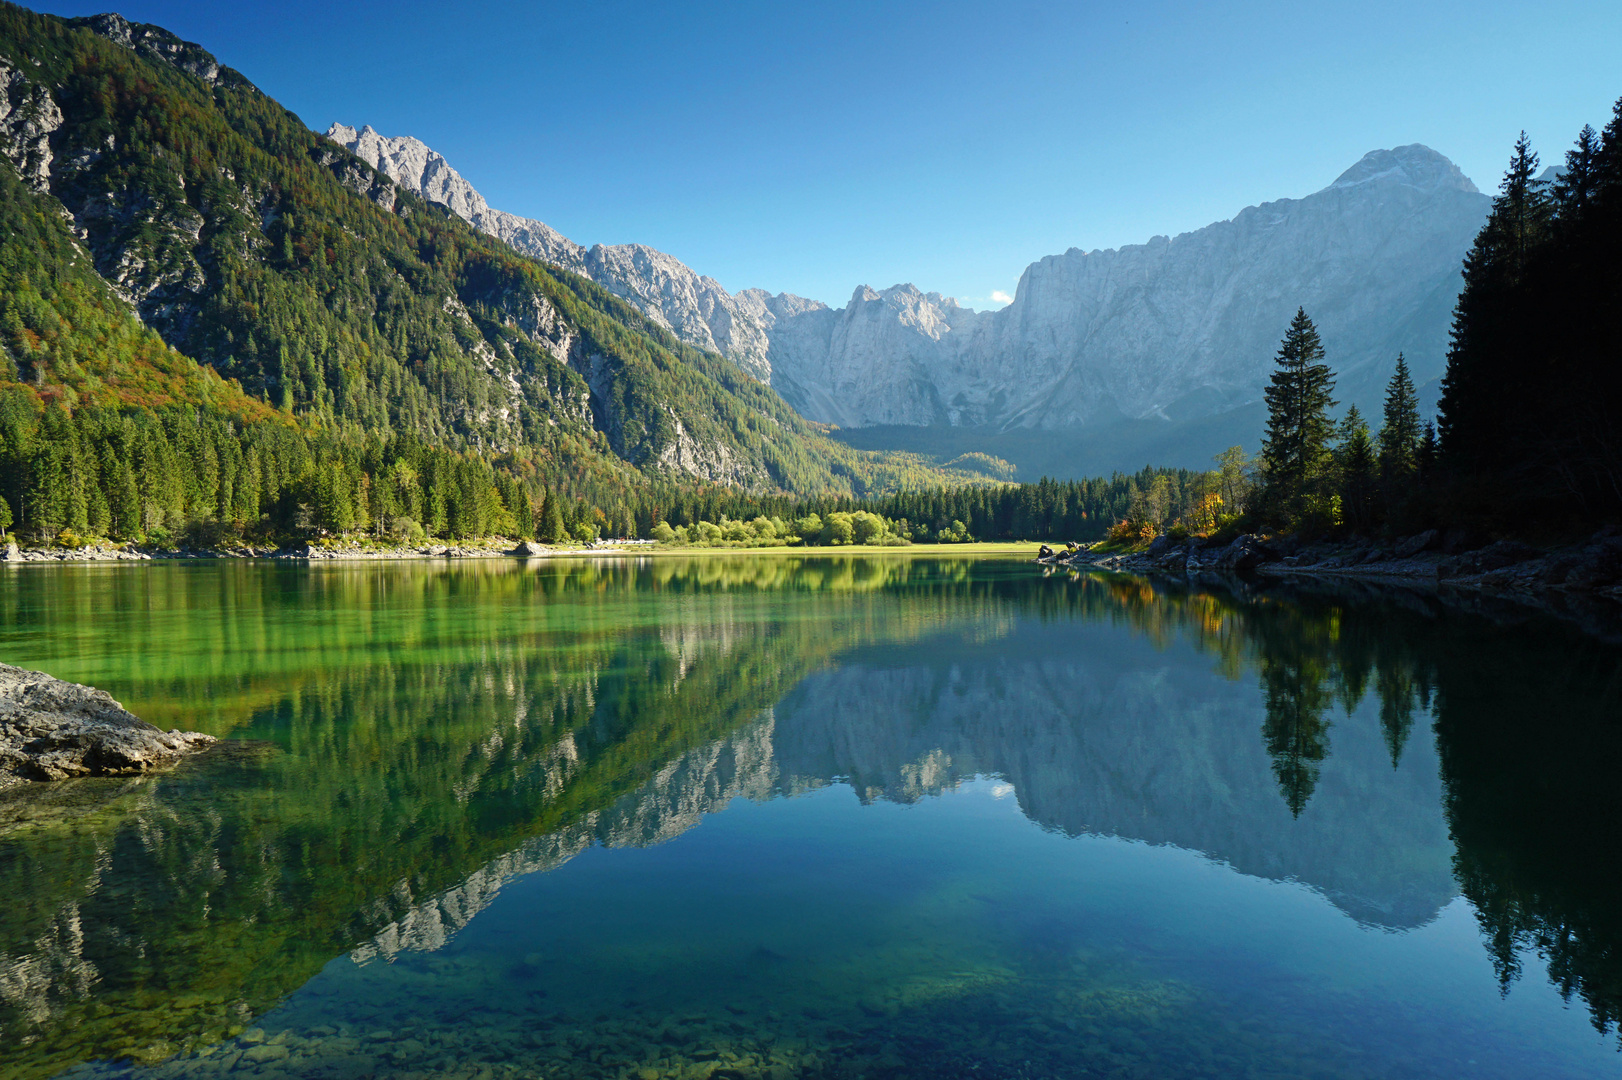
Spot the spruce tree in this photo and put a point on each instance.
(550, 528)
(1574, 189)
(1295, 451)
(1483, 406)
(1429, 452)
(1355, 461)
(1525, 201)
(1399, 434)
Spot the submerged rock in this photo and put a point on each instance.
(52, 730)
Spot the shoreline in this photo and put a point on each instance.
(503, 549)
(1580, 583)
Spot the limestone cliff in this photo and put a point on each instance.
(1174, 330)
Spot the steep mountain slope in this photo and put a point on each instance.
(264, 251)
(694, 308)
(1164, 345)
(1174, 329)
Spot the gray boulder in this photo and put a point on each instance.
(1412, 546)
(1246, 553)
(1598, 566)
(1160, 545)
(527, 549)
(52, 730)
(1499, 555)
(1456, 541)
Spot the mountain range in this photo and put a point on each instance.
(174, 238)
(368, 286)
(1162, 347)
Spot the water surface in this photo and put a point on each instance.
(779, 816)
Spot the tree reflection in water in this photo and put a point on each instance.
(402, 730)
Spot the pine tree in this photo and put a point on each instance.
(1355, 461)
(1429, 453)
(1295, 451)
(1400, 434)
(5, 516)
(124, 501)
(550, 528)
(1574, 189)
(1526, 203)
(1608, 158)
(1483, 404)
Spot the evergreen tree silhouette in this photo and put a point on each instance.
(1295, 449)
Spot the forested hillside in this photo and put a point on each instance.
(211, 314)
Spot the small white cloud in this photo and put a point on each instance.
(1001, 791)
(1000, 297)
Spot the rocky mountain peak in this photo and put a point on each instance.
(156, 43)
(1415, 165)
(413, 164)
(1182, 327)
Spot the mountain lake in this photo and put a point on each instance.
(872, 816)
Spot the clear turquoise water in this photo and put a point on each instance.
(763, 816)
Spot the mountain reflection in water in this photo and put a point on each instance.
(406, 740)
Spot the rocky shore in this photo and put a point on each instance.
(497, 547)
(53, 730)
(1455, 559)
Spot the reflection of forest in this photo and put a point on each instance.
(425, 733)
(415, 723)
(1527, 716)
(1102, 732)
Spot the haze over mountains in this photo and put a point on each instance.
(1156, 348)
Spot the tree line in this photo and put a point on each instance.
(181, 474)
(1529, 432)
(1531, 408)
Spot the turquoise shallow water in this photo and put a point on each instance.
(763, 816)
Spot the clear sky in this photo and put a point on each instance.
(810, 148)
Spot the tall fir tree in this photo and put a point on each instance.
(1482, 397)
(1355, 465)
(1526, 204)
(1429, 453)
(1400, 432)
(1573, 190)
(550, 527)
(1295, 451)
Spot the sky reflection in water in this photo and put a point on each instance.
(780, 816)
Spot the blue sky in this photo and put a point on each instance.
(812, 148)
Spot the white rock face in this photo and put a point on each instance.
(28, 117)
(1175, 329)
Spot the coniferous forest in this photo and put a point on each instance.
(1528, 441)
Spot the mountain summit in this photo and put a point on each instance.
(1176, 330)
(1415, 165)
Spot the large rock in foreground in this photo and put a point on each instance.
(53, 730)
